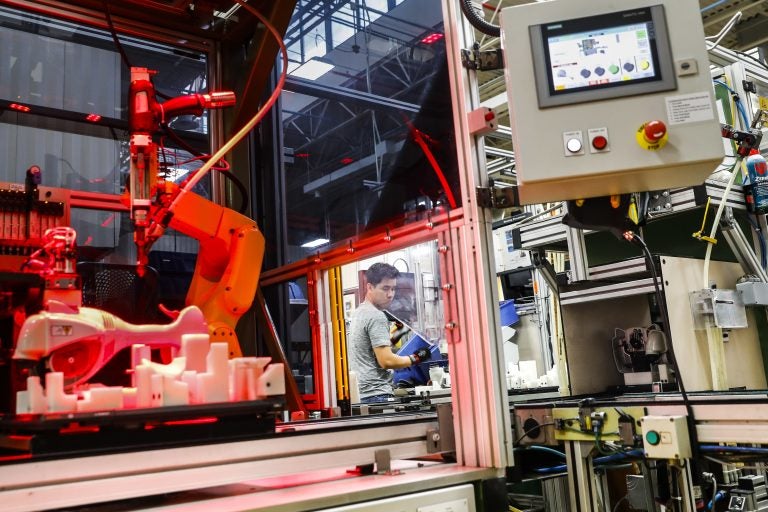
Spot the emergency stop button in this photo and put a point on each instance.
(652, 135)
(654, 131)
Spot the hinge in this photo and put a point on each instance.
(497, 197)
(482, 60)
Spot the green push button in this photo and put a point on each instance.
(652, 437)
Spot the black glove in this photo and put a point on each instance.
(398, 331)
(421, 355)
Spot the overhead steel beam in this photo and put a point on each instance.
(386, 147)
(310, 88)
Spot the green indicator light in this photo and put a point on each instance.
(652, 437)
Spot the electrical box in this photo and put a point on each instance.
(609, 97)
(666, 437)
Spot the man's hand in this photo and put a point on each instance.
(421, 355)
(397, 331)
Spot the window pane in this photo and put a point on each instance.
(355, 163)
(62, 71)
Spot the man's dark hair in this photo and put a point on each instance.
(380, 271)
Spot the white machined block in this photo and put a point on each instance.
(22, 403)
(246, 374)
(212, 389)
(251, 383)
(529, 371)
(213, 385)
(272, 382)
(217, 361)
(195, 348)
(58, 400)
(232, 379)
(142, 376)
(174, 369)
(354, 388)
(190, 378)
(139, 353)
(156, 385)
(36, 402)
(101, 399)
(175, 392)
(129, 398)
(258, 364)
(238, 381)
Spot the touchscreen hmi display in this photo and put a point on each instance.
(626, 50)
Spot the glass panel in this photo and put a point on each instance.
(61, 65)
(61, 71)
(87, 160)
(355, 164)
(289, 310)
(415, 321)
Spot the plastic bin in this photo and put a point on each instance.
(419, 374)
(508, 313)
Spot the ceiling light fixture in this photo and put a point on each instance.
(315, 243)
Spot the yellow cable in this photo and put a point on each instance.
(699, 234)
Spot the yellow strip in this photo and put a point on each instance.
(339, 330)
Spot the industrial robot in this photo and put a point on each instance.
(231, 246)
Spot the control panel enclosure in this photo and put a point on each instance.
(609, 97)
(666, 437)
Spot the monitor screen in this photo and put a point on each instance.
(625, 50)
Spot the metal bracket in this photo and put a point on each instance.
(384, 462)
(547, 271)
(443, 438)
(660, 202)
(716, 307)
(497, 197)
(482, 60)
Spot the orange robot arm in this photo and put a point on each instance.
(228, 264)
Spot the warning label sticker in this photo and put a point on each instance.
(689, 108)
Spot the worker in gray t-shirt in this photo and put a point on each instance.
(370, 349)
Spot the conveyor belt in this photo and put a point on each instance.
(75, 480)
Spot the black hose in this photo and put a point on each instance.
(113, 32)
(691, 421)
(477, 21)
(119, 46)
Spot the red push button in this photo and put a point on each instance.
(654, 131)
(599, 143)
